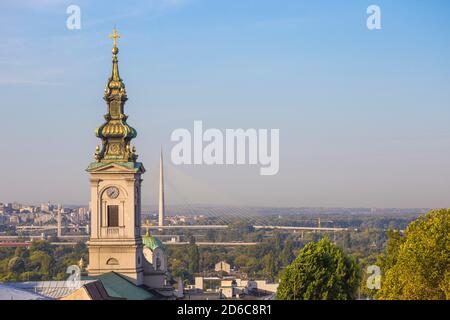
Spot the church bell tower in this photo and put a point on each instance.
(115, 242)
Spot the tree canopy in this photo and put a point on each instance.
(321, 271)
(41, 261)
(418, 266)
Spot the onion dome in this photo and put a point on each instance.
(152, 243)
(115, 133)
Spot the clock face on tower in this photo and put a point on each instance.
(112, 192)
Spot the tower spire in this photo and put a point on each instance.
(115, 84)
(161, 192)
(115, 133)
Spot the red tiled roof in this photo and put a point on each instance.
(14, 244)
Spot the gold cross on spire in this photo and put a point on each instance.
(114, 36)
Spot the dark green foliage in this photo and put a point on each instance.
(194, 259)
(41, 261)
(16, 265)
(321, 271)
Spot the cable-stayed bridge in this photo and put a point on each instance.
(265, 227)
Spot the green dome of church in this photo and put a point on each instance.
(152, 243)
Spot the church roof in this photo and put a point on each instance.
(93, 290)
(134, 166)
(118, 287)
(48, 289)
(152, 243)
(9, 292)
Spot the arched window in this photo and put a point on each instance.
(112, 262)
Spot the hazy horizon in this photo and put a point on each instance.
(362, 114)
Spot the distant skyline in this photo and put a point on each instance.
(363, 115)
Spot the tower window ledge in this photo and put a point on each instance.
(113, 231)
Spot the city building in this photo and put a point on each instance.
(233, 287)
(222, 266)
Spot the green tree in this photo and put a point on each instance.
(389, 258)
(16, 265)
(418, 266)
(194, 259)
(347, 241)
(41, 245)
(270, 264)
(30, 276)
(40, 261)
(321, 271)
(287, 254)
(21, 252)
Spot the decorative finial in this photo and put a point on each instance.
(97, 155)
(114, 36)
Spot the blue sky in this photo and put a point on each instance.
(363, 115)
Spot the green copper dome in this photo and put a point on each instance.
(152, 243)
